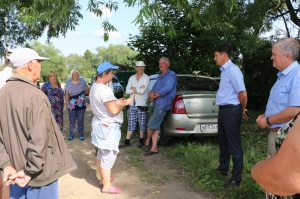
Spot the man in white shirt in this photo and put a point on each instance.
(137, 87)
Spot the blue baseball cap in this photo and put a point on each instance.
(105, 66)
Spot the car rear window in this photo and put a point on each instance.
(189, 83)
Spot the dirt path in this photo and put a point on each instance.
(139, 176)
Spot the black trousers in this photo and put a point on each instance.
(229, 123)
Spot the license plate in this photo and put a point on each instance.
(209, 127)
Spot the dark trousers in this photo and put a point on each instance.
(76, 115)
(229, 123)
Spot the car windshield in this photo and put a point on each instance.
(190, 83)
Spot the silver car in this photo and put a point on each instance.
(194, 110)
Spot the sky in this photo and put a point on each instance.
(89, 33)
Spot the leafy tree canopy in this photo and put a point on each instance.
(26, 20)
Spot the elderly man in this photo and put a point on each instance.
(33, 153)
(162, 94)
(137, 87)
(284, 100)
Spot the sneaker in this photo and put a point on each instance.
(81, 137)
(124, 145)
(70, 138)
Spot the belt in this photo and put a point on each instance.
(228, 106)
(274, 129)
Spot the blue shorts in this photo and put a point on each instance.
(156, 118)
(134, 115)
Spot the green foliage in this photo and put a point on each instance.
(259, 73)
(198, 157)
(82, 64)
(120, 55)
(56, 62)
(21, 21)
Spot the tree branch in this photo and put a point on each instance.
(294, 17)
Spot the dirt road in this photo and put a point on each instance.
(139, 176)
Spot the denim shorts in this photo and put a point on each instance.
(156, 118)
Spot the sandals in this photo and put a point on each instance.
(113, 190)
(150, 153)
(147, 148)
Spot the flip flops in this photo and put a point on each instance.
(113, 190)
(150, 153)
(147, 148)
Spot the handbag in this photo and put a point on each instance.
(280, 136)
(283, 131)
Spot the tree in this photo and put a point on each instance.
(56, 62)
(117, 54)
(26, 20)
(80, 63)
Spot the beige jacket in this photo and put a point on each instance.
(29, 136)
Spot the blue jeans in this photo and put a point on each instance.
(49, 191)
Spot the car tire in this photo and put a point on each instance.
(163, 139)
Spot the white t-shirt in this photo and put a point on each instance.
(99, 94)
(5, 74)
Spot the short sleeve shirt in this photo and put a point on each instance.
(285, 92)
(100, 94)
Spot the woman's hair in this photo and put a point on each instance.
(100, 75)
(52, 73)
(74, 71)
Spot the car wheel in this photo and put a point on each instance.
(163, 140)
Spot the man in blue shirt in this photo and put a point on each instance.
(162, 94)
(232, 100)
(284, 99)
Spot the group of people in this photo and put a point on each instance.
(108, 115)
(33, 121)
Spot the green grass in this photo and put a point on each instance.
(198, 158)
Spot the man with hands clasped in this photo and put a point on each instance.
(284, 99)
(33, 153)
(137, 87)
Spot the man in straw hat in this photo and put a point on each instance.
(137, 87)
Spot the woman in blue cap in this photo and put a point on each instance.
(106, 123)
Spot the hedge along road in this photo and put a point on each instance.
(140, 177)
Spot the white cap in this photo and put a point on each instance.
(140, 63)
(22, 56)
